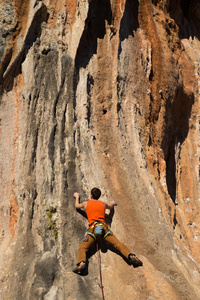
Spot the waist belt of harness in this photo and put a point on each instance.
(97, 222)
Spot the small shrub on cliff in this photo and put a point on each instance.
(52, 223)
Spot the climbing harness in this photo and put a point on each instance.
(98, 230)
(109, 232)
(100, 276)
(97, 222)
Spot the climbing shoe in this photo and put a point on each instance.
(135, 261)
(80, 268)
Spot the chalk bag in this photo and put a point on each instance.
(98, 230)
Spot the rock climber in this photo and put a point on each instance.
(95, 210)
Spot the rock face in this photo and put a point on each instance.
(99, 93)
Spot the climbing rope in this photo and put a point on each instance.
(99, 262)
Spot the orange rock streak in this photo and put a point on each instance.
(14, 208)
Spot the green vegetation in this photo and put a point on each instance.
(52, 223)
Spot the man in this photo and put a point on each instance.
(98, 228)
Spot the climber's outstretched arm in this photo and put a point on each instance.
(77, 204)
(111, 205)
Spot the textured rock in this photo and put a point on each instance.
(99, 93)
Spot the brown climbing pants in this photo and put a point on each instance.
(85, 245)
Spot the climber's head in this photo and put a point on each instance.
(95, 193)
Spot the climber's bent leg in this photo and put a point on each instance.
(84, 247)
(118, 245)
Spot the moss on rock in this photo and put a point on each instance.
(52, 223)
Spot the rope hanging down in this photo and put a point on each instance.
(99, 262)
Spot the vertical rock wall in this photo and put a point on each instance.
(99, 93)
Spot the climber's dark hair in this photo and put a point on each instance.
(96, 193)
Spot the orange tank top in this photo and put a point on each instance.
(95, 210)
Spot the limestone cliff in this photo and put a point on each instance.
(99, 93)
